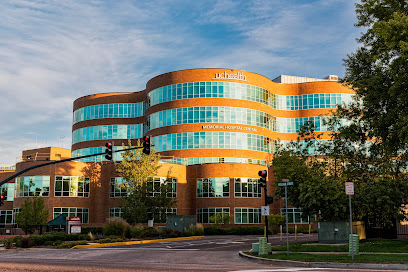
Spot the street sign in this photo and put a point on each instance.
(265, 211)
(349, 188)
(281, 184)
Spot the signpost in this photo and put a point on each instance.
(286, 183)
(350, 192)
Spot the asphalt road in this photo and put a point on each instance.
(219, 253)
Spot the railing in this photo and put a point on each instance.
(7, 168)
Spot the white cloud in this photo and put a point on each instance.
(52, 52)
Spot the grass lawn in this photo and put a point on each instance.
(364, 258)
(389, 246)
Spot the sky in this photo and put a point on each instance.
(53, 52)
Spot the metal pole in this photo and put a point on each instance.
(351, 229)
(266, 217)
(287, 228)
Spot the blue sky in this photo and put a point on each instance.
(52, 52)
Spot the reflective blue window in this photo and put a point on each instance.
(107, 132)
(213, 139)
(246, 92)
(230, 115)
(100, 111)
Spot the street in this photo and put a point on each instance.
(214, 253)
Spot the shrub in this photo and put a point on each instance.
(136, 231)
(8, 243)
(93, 230)
(110, 240)
(214, 231)
(196, 230)
(39, 240)
(72, 244)
(245, 230)
(116, 226)
(240, 230)
(17, 240)
(25, 242)
(275, 221)
(149, 233)
(49, 243)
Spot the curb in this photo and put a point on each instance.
(323, 265)
(138, 242)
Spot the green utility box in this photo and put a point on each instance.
(261, 248)
(356, 244)
(334, 232)
(181, 222)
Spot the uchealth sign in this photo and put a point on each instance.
(225, 75)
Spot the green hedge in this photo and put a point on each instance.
(241, 230)
(39, 240)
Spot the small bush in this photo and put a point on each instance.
(25, 242)
(39, 240)
(8, 243)
(110, 240)
(149, 233)
(49, 243)
(17, 240)
(214, 231)
(72, 244)
(116, 226)
(96, 231)
(136, 231)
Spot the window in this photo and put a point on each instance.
(71, 186)
(15, 212)
(8, 191)
(6, 217)
(213, 187)
(118, 187)
(295, 216)
(32, 186)
(73, 211)
(115, 212)
(154, 183)
(248, 216)
(204, 214)
(247, 187)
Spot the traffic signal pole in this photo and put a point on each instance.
(55, 162)
(266, 217)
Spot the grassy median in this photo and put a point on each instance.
(386, 248)
(340, 258)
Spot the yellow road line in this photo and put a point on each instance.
(139, 242)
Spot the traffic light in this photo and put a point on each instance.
(269, 199)
(109, 151)
(262, 180)
(146, 145)
(2, 197)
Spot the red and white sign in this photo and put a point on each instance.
(349, 188)
(74, 218)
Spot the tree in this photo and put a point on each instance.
(144, 200)
(33, 215)
(378, 73)
(369, 137)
